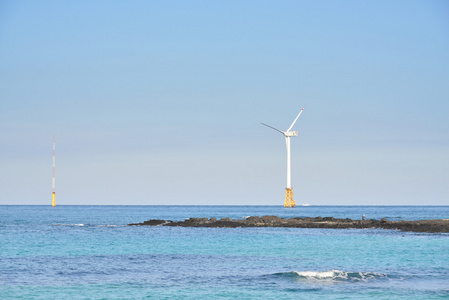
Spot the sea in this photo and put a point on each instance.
(88, 252)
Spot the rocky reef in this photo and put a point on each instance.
(318, 222)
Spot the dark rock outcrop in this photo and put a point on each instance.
(152, 222)
(318, 222)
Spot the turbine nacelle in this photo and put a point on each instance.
(291, 133)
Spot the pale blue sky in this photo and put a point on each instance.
(160, 102)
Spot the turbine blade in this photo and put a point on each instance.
(273, 128)
(295, 120)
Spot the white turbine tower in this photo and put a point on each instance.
(289, 202)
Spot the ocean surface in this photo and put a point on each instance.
(88, 252)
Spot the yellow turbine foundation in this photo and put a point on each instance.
(53, 199)
(289, 202)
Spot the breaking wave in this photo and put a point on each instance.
(332, 275)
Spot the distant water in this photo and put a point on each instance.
(87, 252)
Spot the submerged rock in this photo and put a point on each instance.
(152, 222)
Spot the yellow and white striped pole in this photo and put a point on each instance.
(53, 194)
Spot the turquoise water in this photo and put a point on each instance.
(87, 252)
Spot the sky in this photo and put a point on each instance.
(160, 102)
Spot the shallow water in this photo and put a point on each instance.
(88, 252)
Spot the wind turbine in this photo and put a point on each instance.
(53, 194)
(289, 202)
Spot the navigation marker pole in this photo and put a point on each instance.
(53, 194)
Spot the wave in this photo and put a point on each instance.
(332, 275)
(80, 225)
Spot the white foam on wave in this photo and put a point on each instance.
(338, 275)
(106, 225)
(314, 274)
